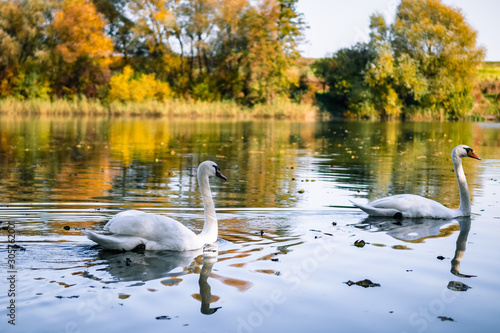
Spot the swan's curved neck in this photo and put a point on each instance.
(465, 206)
(210, 228)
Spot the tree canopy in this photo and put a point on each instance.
(427, 59)
(202, 49)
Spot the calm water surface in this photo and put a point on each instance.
(286, 257)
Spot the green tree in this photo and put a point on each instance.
(427, 59)
(344, 73)
(443, 48)
(274, 29)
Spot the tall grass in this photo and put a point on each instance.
(173, 107)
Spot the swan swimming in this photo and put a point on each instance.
(132, 228)
(415, 206)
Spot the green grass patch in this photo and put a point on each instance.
(489, 70)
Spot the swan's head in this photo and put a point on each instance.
(464, 151)
(211, 169)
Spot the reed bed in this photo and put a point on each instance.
(171, 108)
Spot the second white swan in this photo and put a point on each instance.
(132, 228)
(415, 206)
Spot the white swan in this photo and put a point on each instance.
(415, 206)
(132, 228)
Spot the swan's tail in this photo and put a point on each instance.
(373, 211)
(115, 242)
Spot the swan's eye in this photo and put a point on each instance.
(218, 173)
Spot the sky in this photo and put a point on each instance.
(335, 24)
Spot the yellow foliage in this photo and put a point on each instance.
(125, 88)
(80, 31)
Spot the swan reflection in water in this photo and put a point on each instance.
(209, 259)
(465, 224)
(416, 230)
(169, 266)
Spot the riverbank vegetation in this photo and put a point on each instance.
(424, 65)
(235, 58)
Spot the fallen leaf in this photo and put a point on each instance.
(458, 286)
(363, 283)
(360, 243)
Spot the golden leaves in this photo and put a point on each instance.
(79, 29)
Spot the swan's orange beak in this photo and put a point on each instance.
(220, 175)
(470, 153)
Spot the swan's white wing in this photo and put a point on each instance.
(410, 205)
(160, 232)
(373, 211)
(115, 242)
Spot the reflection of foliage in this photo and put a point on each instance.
(155, 160)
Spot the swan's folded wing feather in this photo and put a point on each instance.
(152, 228)
(374, 211)
(410, 205)
(115, 242)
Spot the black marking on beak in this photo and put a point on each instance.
(218, 173)
(470, 153)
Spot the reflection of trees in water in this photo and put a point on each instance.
(154, 159)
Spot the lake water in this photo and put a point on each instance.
(293, 255)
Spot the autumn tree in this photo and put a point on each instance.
(23, 48)
(81, 49)
(120, 28)
(272, 29)
(443, 46)
(426, 60)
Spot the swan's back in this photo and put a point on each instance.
(154, 231)
(409, 205)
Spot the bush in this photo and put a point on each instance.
(127, 88)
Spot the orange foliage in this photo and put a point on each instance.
(79, 29)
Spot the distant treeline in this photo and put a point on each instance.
(242, 51)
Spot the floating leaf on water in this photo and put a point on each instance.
(458, 286)
(360, 243)
(363, 283)
(401, 247)
(163, 318)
